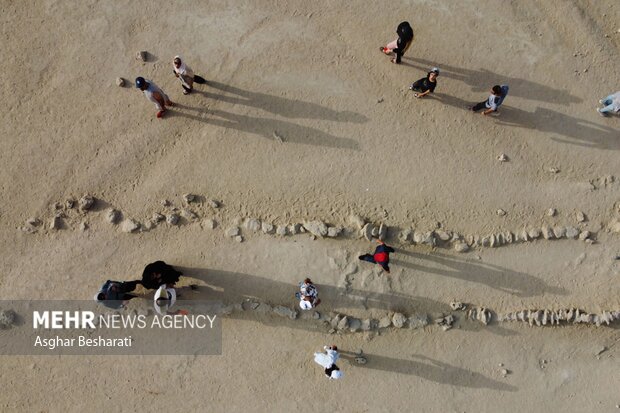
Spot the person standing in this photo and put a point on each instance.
(184, 73)
(154, 94)
(328, 360)
(401, 44)
(308, 295)
(611, 104)
(498, 94)
(381, 256)
(425, 85)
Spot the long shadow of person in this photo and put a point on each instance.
(481, 81)
(429, 369)
(502, 279)
(288, 108)
(272, 129)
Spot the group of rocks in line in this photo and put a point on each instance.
(422, 87)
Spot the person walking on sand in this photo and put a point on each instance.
(184, 73)
(154, 94)
(308, 295)
(381, 256)
(611, 104)
(425, 85)
(328, 360)
(492, 104)
(401, 44)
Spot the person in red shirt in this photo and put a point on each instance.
(381, 256)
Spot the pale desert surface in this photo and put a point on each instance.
(303, 119)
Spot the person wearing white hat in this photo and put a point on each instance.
(184, 73)
(327, 360)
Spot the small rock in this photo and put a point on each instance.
(189, 198)
(157, 217)
(367, 231)
(501, 212)
(189, 214)
(554, 170)
(343, 323)
(252, 224)
(551, 212)
(267, 227)
(333, 232)
(559, 232)
(418, 321)
(581, 217)
(86, 202)
(239, 238)
(281, 230)
(547, 232)
(165, 203)
(129, 225)
(120, 82)
(285, 312)
(357, 221)
(385, 322)
(354, 324)
(213, 203)
(113, 216)
(70, 203)
(399, 320)
(461, 247)
(503, 158)
(534, 233)
(249, 305)
(405, 235)
(505, 372)
(295, 229)
(7, 318)
(142, 55)
(317, 228)
(572, 232)
(83, 226)
(232, 231)
(366, 325)
(312, 237)
(443, 235)
(56, 223)
(458, 306)
(380, 100)
(585, 235)
(172, 219)
(33, 222)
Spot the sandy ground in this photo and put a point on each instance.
(355, 140)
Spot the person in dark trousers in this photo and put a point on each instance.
(498, 93)
(159, 273)
(381, 256)
(115, 294)
(401, 44)
(425, 85)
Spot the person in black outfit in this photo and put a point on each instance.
(425, 85)
(158, 273)
(400, 45)
(381, 256)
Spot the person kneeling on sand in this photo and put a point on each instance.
(425, 85)
(115, 294)
(308, 295)
(159, 273)
(327, 360)
(492, 104)
(154, 94)
(381, 256)
(611, 104)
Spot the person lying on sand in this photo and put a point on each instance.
(381, 256)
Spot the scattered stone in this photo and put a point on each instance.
(458, 306)
(483, 315)
(56, 223)
(366, 325)
(129, 225)
(70, 203)
(551, 212)
(354, 324)
(382, 231)
(505, 372)
(285, 312)
(7, 318)
(343, 323)
(493, 241)
(142, 55)
(281, 230)
(213, 204)
(405, 235)
(86, 202)
(445, 322)
(249, 305)
(367, 231)
(461, 247)
(188, 198)
(333, 232)
(559, 232)
(427, 238)
(554, 170)
(418, 321)
(83, 226)
(317, 228)
(385, 322)
(252, 224)
(585, 235)
(581, 217)
(571, 232)
(399, 320)
(357, 221)
(503, 158)
(335, 320)
(208, 224)
(501, 212)
(443, 235)
(534, 233)
(232, 231)
(172, 219)
(120, 82)
(157, 217)
(189, 214)
(547, 232)
(113, 216)
(313, 237)
(34, 222)
(165, 203)
(267, 227)
(239, 238)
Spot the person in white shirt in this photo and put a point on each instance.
(611, 104)
(308, 295)
(184, 73)
(492, 103)
(328, 360)
(154, 94)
